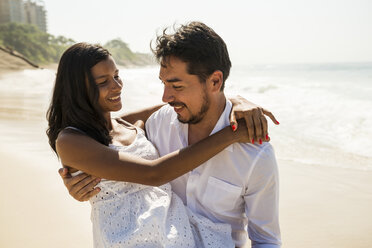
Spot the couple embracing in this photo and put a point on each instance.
(190, 179)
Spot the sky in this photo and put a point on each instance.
(255, 31)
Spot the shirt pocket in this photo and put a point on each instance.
(220, 196)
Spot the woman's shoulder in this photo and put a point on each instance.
(69, 133)
(71, 137)
(73, 146)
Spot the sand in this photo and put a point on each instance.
(36, 210)
(320, 207)
(325, 207)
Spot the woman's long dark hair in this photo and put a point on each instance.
(75, 95)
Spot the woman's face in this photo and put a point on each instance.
(106, 76)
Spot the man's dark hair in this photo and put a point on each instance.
(199, 46)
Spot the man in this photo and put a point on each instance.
(241, 188)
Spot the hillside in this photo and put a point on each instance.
(42, 48)
(11, 61)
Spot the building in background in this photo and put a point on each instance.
(35, 14)
(12, 11)
(30, 12)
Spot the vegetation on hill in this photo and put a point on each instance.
(43, 48)
(32, 43)
(124, 56)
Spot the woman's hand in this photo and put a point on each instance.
(254, 117)
(241, 135)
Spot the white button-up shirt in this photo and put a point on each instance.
(238, 186)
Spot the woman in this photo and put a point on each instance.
(82, 133)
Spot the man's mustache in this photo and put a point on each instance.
(177, 104)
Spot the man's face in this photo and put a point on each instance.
(183, 91)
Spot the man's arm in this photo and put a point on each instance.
(81, 187)
(262, 201)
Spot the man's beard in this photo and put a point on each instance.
(194, 119)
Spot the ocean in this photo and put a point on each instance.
(324, 110)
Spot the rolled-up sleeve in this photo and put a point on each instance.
(262, 201)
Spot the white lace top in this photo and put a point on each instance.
(134, 215)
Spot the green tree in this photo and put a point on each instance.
(120, 51)
(124, 56)
(59, 44)
(37, 46)
(41, 47)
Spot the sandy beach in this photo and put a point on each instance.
(35, 211)
(320, 206)
(325, 207)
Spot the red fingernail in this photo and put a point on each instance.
(277, 123)
(267, 137)
(233, 127)
(252, 141)
(260, 141)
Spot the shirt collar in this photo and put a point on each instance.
(222, 122)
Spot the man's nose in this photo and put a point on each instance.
(167, 95)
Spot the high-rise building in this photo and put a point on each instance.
(12, 11)
(35, 14)
(31, 12)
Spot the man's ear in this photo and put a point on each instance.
(215, 81)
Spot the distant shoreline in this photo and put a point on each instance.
(11, 61)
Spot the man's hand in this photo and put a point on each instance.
(254, 117)
(82, 186)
